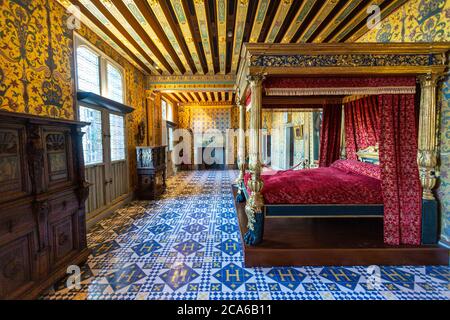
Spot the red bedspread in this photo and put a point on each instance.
(345, 182)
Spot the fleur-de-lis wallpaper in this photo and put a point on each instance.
(37, 68)
(425, 21)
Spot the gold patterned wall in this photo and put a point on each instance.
(426, 21)
(36, 59)
(36, 65)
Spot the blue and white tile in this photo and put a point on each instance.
(186, 245)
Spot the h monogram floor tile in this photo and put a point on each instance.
(186, 245)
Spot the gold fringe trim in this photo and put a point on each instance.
(338, 91)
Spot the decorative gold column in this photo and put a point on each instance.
(427, 156)
(255, 203)
(241, 141)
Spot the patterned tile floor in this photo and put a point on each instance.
(186, 246)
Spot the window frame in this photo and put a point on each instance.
(79, 41)
(104, 60)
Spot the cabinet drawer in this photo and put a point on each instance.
(16, 267)
(63, 206)
(15, 219)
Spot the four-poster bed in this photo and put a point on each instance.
(408, 156)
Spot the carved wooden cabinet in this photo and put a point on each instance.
(151, 171)
(42, 203)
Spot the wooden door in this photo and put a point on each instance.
(106, 159)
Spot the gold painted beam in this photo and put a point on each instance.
(323, 13)
(117, 14)
(174, 97)
(99, 32)
(301, 15)
(261, 12)
(180, 97)
(194, 97)
(164, 22)
(210, 96)
(391, 7)
(357, 19)
(89, 6)
(202, 20)
(216, 96)
(180, 13)
(221, 6)
(280, 15)
(187, 96)
(192, 82)
(241, 16)
(211, 105)
(343, 13)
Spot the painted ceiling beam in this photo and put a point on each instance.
(148, 29)
(180, 13)
(280, 15)
(241, 16)
(137, 57)
(343, 13)
(166, 28)
(221, 11)
(298, 20)
(202, 20)
(120, 25)
(186, 96)
(261, 12)
(180, 97)
(191, 83)
(216, 96)
(319, 18)
(68, 4)
(390, 8)
(352, 23)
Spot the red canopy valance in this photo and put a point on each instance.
(296, 86)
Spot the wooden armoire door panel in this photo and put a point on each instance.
(58, 158)
(17, 269)
(62, 239)
(14, 181)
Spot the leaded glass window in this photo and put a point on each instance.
(92, 138)
(88, 70)
(164, 109)
(117, 129)
(115, 83)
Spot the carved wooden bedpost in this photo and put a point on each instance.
(255, 203)
(428, 157)
(241, 151)
(241, 141)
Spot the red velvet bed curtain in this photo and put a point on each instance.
(362, 125)
(402, 191)
(330, 137)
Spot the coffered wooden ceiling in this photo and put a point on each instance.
(196, 37)
(202, 98)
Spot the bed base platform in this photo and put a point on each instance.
(316, 211)
(337, 242)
